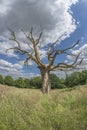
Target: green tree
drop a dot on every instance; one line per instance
(75, 78)
(56, 82)
(36, 82)
(1, 79)
(27, 83)
(8, 80)
(83, 77)
(20, 82)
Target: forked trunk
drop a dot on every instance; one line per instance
(45, 81)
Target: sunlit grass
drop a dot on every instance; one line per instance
(29, 109)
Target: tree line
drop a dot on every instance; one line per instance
(35, 82)
(74, 79)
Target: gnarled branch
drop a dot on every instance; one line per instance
(52, 55)
(34, 48)
(65, 66)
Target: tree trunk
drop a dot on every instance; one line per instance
(46, 86)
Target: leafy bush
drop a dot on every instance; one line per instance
(36, 82)
(8, 80)
(60, 86)
(77, 78)
(27, 83)
(20, 83)
(83, 77)
(1, 79)
(55, 81)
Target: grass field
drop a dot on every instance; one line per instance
(29, 109)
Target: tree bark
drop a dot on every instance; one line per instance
(46, 86)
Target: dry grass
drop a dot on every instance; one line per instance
(3, 90)
(29, 109)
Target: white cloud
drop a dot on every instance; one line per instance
(9, 67)
(83, 55)
(82, 66)
(5, 63)
(53, 17)
(83, 51)
(54, 20)
(6, 44)
(15, 70)
(4, 6)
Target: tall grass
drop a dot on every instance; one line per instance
(26, 109)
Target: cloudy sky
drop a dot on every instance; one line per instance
(53, 17)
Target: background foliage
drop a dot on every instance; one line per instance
(74, 79)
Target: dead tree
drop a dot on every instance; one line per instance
(33, 53)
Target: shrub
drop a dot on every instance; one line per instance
(60, 86)
(76, 78)
(55, 81)
(36, 82)
(1, 79)
(20, 83)
(8, 80)
(27, 83)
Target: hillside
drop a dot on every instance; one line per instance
(29, 109)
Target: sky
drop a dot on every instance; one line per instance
(54, 18)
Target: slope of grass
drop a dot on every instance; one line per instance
(26, 109)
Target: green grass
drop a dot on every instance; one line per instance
(27, 109)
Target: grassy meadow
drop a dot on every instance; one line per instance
(29, 109)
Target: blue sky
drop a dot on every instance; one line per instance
(56, 18)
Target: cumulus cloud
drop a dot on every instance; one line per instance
(53, 17)
(16, 69)
(9, 66)
(6, 44)
(83, 55)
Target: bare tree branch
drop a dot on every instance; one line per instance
(51, 48)
(33, 53)
(62, 65)
(74, 45)
(38, 40)
(52, 55)
(26, 36)
(14, 38)
(26, 61)
(34, 50)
